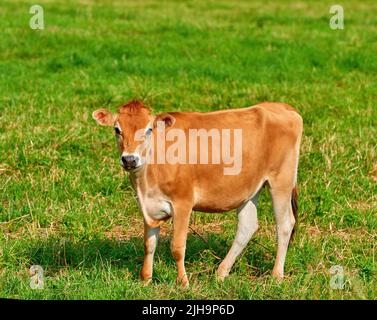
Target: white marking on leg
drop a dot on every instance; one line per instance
(151, 239)
(152, 236)
(247, 225)
(284, 226)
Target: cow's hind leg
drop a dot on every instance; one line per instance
(247, 225)
(285, 221)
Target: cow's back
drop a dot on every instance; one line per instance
(269, 134)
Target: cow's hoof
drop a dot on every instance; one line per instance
(221, 278)
(183, 282)
(146, 281)
(278, 276)
(221, 274)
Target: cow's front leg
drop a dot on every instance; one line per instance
(181, 221)
(150, 243)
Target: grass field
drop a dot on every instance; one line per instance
(65, 203)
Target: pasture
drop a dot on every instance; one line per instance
(66, 204)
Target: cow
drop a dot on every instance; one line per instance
(270, 142)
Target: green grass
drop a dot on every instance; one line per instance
(65, 203)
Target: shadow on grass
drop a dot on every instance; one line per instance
(54, 254)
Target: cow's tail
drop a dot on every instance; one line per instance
(294, 205)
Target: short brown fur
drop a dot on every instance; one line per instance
(271, 139)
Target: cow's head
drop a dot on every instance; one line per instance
(133, 127)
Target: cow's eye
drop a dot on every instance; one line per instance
(117, 131)
(149, 131)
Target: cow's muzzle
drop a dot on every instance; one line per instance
(129, 162)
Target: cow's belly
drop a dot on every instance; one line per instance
(225, 195)
(217, 204)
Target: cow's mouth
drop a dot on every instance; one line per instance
(129, 168)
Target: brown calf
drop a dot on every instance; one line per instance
(267, 146)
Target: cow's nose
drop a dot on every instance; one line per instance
(129, 162)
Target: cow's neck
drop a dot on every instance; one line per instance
(154, 209)
(143, 180)
(139, 180)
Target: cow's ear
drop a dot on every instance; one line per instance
(166, 118)
(104, 117)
